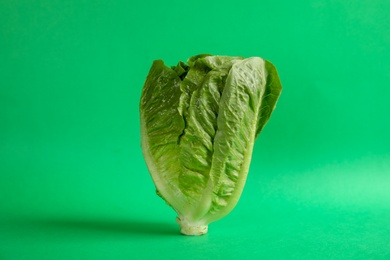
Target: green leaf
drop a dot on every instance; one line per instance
(197, 141)
(161, 126)
(273, 88)
(240, 110)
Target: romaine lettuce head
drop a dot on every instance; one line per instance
(198, 126)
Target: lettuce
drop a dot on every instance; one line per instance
(198, 126)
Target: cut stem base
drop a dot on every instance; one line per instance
(191, 229)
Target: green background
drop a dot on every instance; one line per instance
(73, 183)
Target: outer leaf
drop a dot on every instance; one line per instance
(272, 91)
(238, 118)
(161, 126)
(197, 141)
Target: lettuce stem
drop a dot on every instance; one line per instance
(190, 228)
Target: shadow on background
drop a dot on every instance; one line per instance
(116, 226)
(96, 226)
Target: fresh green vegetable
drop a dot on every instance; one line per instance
(198, 126)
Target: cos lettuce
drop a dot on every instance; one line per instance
(199, 123)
